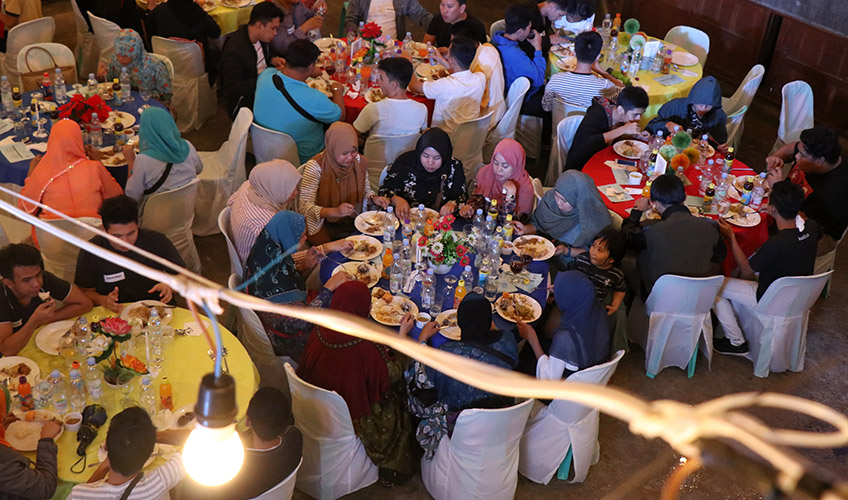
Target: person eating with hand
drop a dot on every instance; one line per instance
(109, 284)
(700, 111)
(29, 297)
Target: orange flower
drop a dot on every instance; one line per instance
(133, 364)
(680, 160)
(692, 154)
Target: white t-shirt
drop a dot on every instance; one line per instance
(574, 88)
(392, 117)
(261, 64)
(576, 28)
(488, 61)
(382, 13)
(457, 97)
(154, 485)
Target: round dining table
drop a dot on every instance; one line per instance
(186, 361)
(227, 18)
(749, 238)
(354, 106)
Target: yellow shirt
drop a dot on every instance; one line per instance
(25, 10)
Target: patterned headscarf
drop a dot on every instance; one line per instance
(145, 70)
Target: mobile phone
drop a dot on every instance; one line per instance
(626, 163)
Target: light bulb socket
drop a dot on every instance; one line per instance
(216, 401)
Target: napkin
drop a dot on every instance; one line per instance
(15, 151)
(508, 282)
(668, 80)
(193, 329)
(353, 92)
(6, 125)
(622, 175)
(41, 147)
(687, 73)
(620, 194)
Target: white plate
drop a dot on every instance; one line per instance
(47, 339)
(397, 300)
(682, 58)
(327, 43)
(448, 332)
(163, 320)
(179, 412)
(209, 6)
(619, 148)
(550, 249)
(234, 5)
(426, 72)
(537, 309)
(751, 219)
(365, 223)
(374, 95)
(739, 182)
(378, 247)
(351, 267)
(563, 50)
(10, 361)
(321, 85)
(417, 48)
(696, 143)
(429, 213)
(126, 119)
(30, 441)
(117, 159)
(567, 63)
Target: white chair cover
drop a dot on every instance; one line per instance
(564, 138)
(171, 213)
(796, 113)
(734, 127)
(60, 257)
(746, 91)
(272, 145)
(776, 330)
(692, 39)
(382, 150)
(679, 312)
(499, 25)
(529, 134)
(105, 33)
(193, 99)
(227, 230)
(467, 139)
(223, 172)
(87, 52)
(552, 429)
(334, 460)
(168, 65)
(826, 262)
(505, 128)
(36, 31)
(284, 489)
(37, 60)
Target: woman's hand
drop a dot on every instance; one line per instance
(381, 201)
(345, 210)
(428, 331)
(520, 229)
(337, 280)
(448, 208)
(466, 211)
(401, 207)
(338, 246)
(406, 325)
(93, 153)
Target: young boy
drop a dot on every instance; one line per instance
(600, 265)
(578, 87)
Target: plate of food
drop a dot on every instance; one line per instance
(743, 216)
(448, 324)
(389, 309)
(682, 58)
(364, 247)
(696, 143)
(630, 149)
(12, 368)
(24, 434)
(419, 50)
(361, 271)
(46, 106)
(48, 337)
(126, 119)
(615, 193)
(567, 63)
(235, 4)
(430, 72)
(563, 50)
(327, 43)
(535, 246)
(374, 95)
(141, 310)
(739, 183)
(429, 213)
(372, 222)
(112, 158)
(321, 85)
(207, 5)
(650, 214)
(515, 307)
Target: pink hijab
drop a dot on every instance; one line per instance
(489, 186)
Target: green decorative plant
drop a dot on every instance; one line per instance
(631, 26)
(681, 140)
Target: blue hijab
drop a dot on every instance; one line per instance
(283, 283)
(160, 137)
(582, 338)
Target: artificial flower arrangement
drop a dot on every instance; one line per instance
(110, 333)
(371, 32)
(81, 110)
(446, 247)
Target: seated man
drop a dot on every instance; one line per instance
(397, 114)
(31, 294)
(819, 168)
(516, 62)
(129, 443)
(458, 95)
(679, 244)
(284, 101)
(20, 478)
(606, 122)
(451, 11)
(791, 251)
(388, 14)
(16, 12)
(297, 21)
(108, 284)
(487, 60)
(580, 86)
(246, 54)
(700, 111)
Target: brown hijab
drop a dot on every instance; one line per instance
(340, 184)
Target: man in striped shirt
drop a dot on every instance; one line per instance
(578, 87)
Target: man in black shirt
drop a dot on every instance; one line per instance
(451, 11)
(108, 284)
(789, 252)
(29, 297)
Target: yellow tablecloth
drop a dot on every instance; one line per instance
(186, 361)
(228, 18)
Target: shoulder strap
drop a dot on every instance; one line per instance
(132, 485)
(152, 189)
(492, 351)
(278, 82)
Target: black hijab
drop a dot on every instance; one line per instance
(437, 139)
(474, 318)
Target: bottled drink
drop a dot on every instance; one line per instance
(652, 163)
(76, 391)
(635, 62)
(116, 91)
(479, 223)
(467, 276)
(407, 229)
(728, 159)
(361, 25)
(147, 401)
(613, 49)
(657, 141)
(91, 85)
(704, 146)
(166, 394)
(25, 394)
(395, 275)
(126, 89)
(427, 288)
(6, 94)
(759, 192)
(58, 393)
(646, 191)
(509, 229)
(406, 257)
(154, 332)
(490, 224)
(351, 37)
(747, 189)
(721, 189)
(60, 90)
(616, 25)
(429, 228)
(419, 220)
(493, 209)
(420, 253)
(387, 262)
(95, 133)
(606, 28)
(93, 381)
(459, 294)
(17, 98)
(389, 228)
(484, 272)
(666, 64)
(709, 194)
(657, 60)
(408, 44)
(47, 87)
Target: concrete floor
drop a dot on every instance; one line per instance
(632, 467)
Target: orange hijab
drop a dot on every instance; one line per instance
(340, 184)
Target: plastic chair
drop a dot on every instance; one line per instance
(382, 150)
(36, 31)
(60, 257)
(39, 60)
(734, 126)
(468, 139)
(480, 460)
(193, 98)
(227, 230)
(796, 113)
(271, 145)
(223, 172)
(87, 52)
(334, 460)
(284, 489)
(105, 33)
(171, 213)
(564, 431)
(383, 175)
(499, 25)
(692, 40)
(736, 105)
(505, 128)
(776, 329)
(563, 141)
(825, 263)
(679, 312)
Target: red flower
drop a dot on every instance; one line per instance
(115, 326)
(450, 218)
(422, 241)
(445, 226)
(440, 258)
(464, 261)
(460, 250)
(371, 31)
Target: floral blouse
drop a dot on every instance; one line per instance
(403, 183)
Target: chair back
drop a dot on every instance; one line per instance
(674, 294)
(796, 111)
(232, 152)
(271, 145)
(560, 110)
(183, 54)
(79, 19)
(563, 140)
(169, 65)
(60, 257)
(499, 25)
(172, 214)
(734, 126)
(505, 128)
(382, 150)
(227, 230)
(45, 57)
(468, 139)
(284, 489)
(39, 30)
(105, 33)
(571, 412)
(792, 296)
(746, 91)
(692, 40)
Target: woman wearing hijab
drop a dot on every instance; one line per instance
(145, 70)
(65, 179)
(335, 186)
(582, 338)
(438, 399)
(369, 377)
(430, 175)
(165, 161)
(282, 283)
(700, 111)
(505, 180)
(185, 19)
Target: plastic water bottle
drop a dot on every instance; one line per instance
(147, 401)
(93, 381)
(126, 88)
(396, 275)
(658, 141)
(431, 54)
(485, 268)
(389, 227)
(490, 224)
(468, 277)
(759, 192)
(427, 288)
(359, 31)
(95, 132)
(6, 94)
(479, 222)
(91, 85)
(76, 391)
(406, 257)
(606, 26)
(703, 146)
(59, 88)
(58, 393)
(408, 44)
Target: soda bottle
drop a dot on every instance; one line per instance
(25, 394)
(728, 159)
(6, 94)
(429, 228)
(493, 209)
(116, 91)
(508, 229)
(666, 64)
(459, 294)
(652, 163)
(147, 401)
(166, 394)
(17, 98)
(93, 380)
(646, 191)
(47, 87)
(747, 189)
(58, 392)
(616, 25)
(709, 194)
(59, 88)
(387, 262)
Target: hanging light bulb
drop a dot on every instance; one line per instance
(214, 453)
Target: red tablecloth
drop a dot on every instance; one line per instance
(749, 238)
(354, 106)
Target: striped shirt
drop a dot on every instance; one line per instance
(574, 88)
(309, 192)
(154, 485)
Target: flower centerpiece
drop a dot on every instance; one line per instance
(81, 110)
(371, 32)
(445, 247)
(113, 332)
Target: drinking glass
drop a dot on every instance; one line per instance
(125, 383)
(146, 94)
(20, 130)
(491, 288)
(436, 306)
(450, 284)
